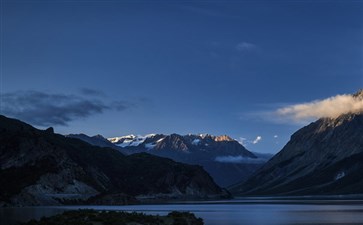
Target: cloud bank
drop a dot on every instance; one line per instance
(331, 107)
(44, 109)
(238, 159)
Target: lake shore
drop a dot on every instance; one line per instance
(257, 211)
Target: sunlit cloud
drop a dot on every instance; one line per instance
(331, 107)
(301, 114)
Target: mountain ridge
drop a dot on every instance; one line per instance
(224, 158)
(319, 159)
(39, 167)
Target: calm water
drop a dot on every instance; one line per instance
(233, 212)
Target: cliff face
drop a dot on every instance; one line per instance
(40, 167)
(322, 158)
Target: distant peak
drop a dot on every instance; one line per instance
(50, 130)
(205, 135)
(130, 140)
(99, 136)
(150, 135)
(223, 138)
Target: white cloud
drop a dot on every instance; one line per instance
(258, 139)
(331, 107)
(276, 136)
(243, 141)
(245, 46)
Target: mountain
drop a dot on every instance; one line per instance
(97, 140)
(192, 146)
(225, 159)
(39, 167)
(324, 157)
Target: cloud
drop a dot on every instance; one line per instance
(238, 159)
(90, 91)
(244, 141)
(258, 139)
(45, 109)
(331, 107)
(121, 105)
(276, 139)
(245, 46)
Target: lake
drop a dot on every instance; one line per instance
(249, 211)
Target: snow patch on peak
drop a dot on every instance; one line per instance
(204, 135)
(130, 140)
(195, 142)
(118, 139)
(150, 135)
(150, 146)
(340, 175)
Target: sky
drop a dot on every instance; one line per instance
(249, 69)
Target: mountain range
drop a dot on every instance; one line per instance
(39, 167)
(225, 159)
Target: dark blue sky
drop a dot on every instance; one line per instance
(219, 67)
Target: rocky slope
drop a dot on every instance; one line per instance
(97, 140)
(43, 168)
(225, 159)
(324, 157)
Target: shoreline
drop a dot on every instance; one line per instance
(313, 199)
(212, 212)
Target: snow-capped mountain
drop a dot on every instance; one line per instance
(130, 140)
(223, 157)
(187, 143)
